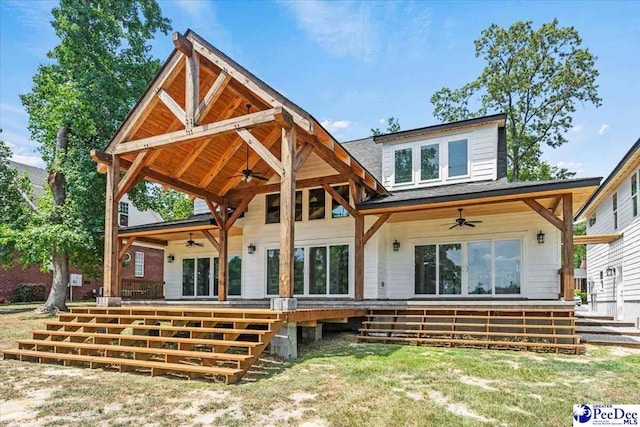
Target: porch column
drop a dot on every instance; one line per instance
(359, 258)
(223, 255)
(567, 247)
(287, 211)
(111, 274)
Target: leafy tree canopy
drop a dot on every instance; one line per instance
(393, 125)
(537, 77)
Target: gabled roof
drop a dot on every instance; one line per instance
(630, 161)
(37, 176)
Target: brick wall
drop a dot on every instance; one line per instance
(153, 270)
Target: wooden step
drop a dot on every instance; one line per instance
(225, 357)
(158, 327)
(446, 316)
(206, 311)
(473, 325)
(472, 309)
(470, 342)
(157, 368)
(169, 318)
(478, 333)
(37, 334)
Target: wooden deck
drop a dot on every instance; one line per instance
(220, 343)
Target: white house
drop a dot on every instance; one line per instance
(613, 262)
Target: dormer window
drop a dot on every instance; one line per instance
(403, 165)
(430, 162)
(458, 158)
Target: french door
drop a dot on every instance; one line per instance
(196, 277)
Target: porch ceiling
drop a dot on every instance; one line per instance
(186, 132)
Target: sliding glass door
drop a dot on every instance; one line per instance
(489, 267)
(196, 277)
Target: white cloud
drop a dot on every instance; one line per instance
(36, 17)
(577, 128)
(603, 128)
(15, 109)
(341, 28)
(572, 166)
(335, 125)
(202, 17)
(383, 121)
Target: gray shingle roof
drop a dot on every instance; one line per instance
(472, 190)
(368, 153)
(37, 176)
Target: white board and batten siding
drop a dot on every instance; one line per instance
(623, 254)
(482, 153)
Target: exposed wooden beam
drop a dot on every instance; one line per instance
(261, 151)
(359, 243)
(595, 239)
(338, 198)
(191, 90)
(268, 142)
(217, 128)
(567, 247)
(111, 276)
(126, 247)
(275, 187)
(172, 105)
(151, 175)
(212, 96)
(183, 44)
(151, 240)
(544, 212)
(219, 165)
(376, 226)
(129, 178)
(214, 212)
(140, 235)
(302, 154)
(239, 210)
(556, 206)
(223, 256)
(210, 237)
(287, 212)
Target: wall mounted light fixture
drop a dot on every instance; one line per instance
(251, 248)
(171, 258)
(540, 237)
(610, 271)
(396, 246)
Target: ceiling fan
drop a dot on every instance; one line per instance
(462, 222)
(248, 174)
(191, 243)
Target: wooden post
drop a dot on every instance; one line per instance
(568, 283)
(111, 276)
(287, 211)
(359, 258)
(223, 255)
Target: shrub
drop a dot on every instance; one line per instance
(29, 292)
(582, 295)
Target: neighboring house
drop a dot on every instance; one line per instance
(613, 263)
(376, 218)
(144, 261)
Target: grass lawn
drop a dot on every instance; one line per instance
(334, 382)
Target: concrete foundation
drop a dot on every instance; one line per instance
(108, 302)
(284, 304)
(285, 343)
(312, 333)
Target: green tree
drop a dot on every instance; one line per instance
(579, 251)
(92, 79)
(537, 77)
(170, 204)
(393, 125)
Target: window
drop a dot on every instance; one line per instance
(601, 279)
(458, 158)
(272, 215)
(123, 213)
(634, 194)
(203, 282)
(615, 211)
(450, 268)
(339, 270)
(403, 166)
(273, 271)
(139, 267)
(480, 267)
(337, 210)
(188, 276)
(430, 162)
(592, 221)
(425, 269)
(318, 270)
(316, 203)
(507, 266)
(234, 276)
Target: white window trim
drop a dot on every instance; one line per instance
(136, 264)
(446, 165)
(212, 258)
(419, 173)
(614, 206)
(328, 202)
(413, 166)
(635, 177)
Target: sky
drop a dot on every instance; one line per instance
(351, 64)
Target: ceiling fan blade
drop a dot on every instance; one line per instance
(199, 244)
(453, 226)
(468, 224)
(474, 222)
(260, 177)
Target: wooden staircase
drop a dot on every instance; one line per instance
(210, 343)
(521, 328)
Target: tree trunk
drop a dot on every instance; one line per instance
(58, 184)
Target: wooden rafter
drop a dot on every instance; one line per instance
(211, 238)
(338, 198)
(182, 44)
(545, 213)
(595, 239)
(376, 226)
(224, 158)
(556, 206)
(126, 247)
(191, 90)
(278, 115)
(275, 187)
(268, 142)
(302, 154)
(262, 151)
(212, 96)
(239, 210)
(129, 178)
(214, 212)
(172, 105)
